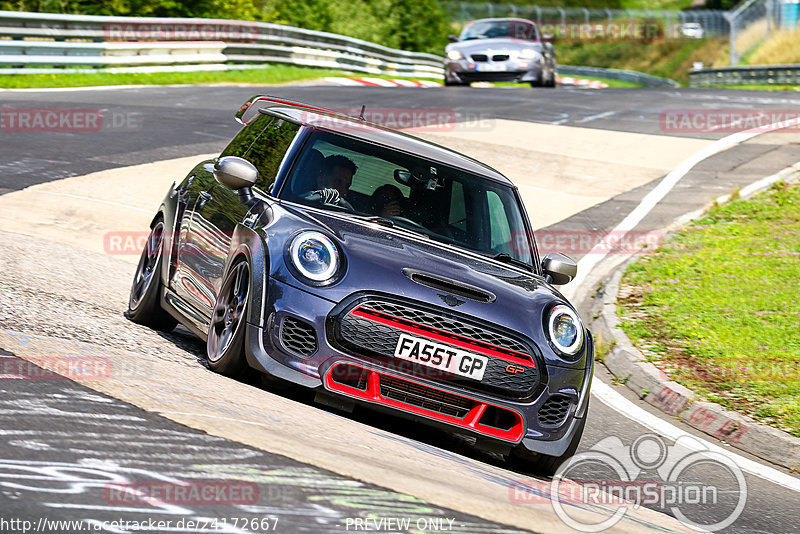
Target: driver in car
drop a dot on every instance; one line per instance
(334, 180)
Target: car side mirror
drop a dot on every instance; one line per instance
(559, 269)
(452, 38)
(237, 174)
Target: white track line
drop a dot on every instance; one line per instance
(603, 391)
(600, 251)
(620, 404)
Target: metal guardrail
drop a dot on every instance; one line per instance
(633, 76)
(48, 53)
(242, 41)
(749, 75)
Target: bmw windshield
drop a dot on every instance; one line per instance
(345, 175)
(500, 29)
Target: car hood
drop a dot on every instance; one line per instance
(377, 256)
(499, 45)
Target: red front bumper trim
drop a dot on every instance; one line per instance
(470, 421)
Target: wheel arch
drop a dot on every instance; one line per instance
(248, 244)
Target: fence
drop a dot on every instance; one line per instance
(753, 21)
(713, 22)
(83, 40)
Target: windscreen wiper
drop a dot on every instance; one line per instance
(507, 258)
(377, 219)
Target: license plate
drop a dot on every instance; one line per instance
(442, 357)
(490, 67)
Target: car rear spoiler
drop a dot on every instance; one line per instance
(271, 99)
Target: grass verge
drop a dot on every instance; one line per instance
(717, 308)
(272, 74)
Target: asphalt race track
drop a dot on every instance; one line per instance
(166, 418)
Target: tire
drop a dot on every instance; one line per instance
(226, 331)
(453, 84)
(144, 303)
(543, 464)
(551, 81)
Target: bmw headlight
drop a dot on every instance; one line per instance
(565, 329)
(454, 55)
(314, 256)
(529, 53)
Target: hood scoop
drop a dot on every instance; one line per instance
(448, 285)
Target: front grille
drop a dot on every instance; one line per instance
(424, 397)
(448, 324)
(480, 57)
(298, 337)
(469, 76)
(500, 57)
(555, 410)
(361, 332)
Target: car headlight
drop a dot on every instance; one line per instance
(565, 329)
(314, 256)
(454, 55)
(529, 53)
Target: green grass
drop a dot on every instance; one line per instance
(272, 74)
(718, 306)
(667, 58)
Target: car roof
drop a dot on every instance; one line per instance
(380, 135)
(501, 19)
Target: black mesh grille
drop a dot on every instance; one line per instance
(554, 411)
(447, 324)
(424, 397)
(480, 57)
(500, 57)
(298, 337)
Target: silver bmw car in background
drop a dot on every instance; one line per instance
(500, 50)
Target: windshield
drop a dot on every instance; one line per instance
(345, 175)
(494, 29)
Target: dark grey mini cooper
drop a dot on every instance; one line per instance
(378, 269)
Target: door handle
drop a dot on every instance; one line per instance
(205, 196)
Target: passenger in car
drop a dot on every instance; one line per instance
(387, 201)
